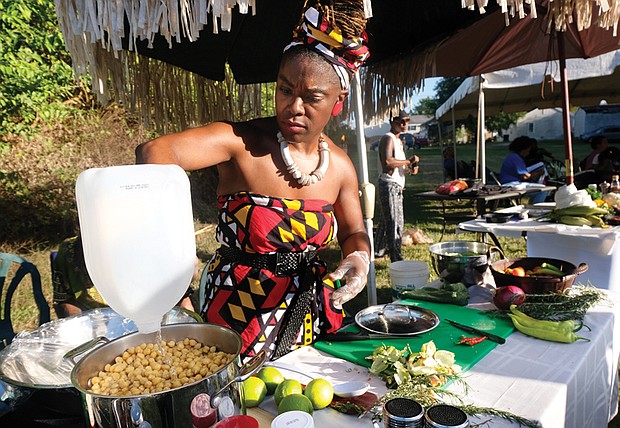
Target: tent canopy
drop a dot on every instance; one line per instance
(528, 87)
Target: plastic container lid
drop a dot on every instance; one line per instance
(293, 419)
(238, 421)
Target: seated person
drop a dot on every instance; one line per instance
(74, 291)
(609, 164)
(463, 170)
(537, 154)
(599, 144)
(514, 168)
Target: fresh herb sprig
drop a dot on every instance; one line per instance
(572, 305)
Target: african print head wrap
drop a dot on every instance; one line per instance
(345, 54)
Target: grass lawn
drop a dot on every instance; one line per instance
(425, 215)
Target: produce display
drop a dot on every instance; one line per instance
(555, 331)
(544, 270)
(288, 394)
(451, 187)
(150, 368)
(455, 294)
(578, 215)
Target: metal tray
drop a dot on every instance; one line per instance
(396, 319)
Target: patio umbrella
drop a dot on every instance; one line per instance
(532, 86)
(498, 42)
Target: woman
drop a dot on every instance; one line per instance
(514, 168)
(272, 205)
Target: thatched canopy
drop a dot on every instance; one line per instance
(166, 59)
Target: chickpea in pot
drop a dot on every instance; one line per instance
(149, 368)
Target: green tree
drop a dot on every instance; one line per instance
(426, 106)
(35, 68)
(446, 87)
(501, 121)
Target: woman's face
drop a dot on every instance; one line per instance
(305, 97)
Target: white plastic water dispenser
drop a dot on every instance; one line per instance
(138, 235)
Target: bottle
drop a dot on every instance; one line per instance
(137, 230)
(614, 187)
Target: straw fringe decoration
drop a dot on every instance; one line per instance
(167, 98)
(393, 82)
(175, 99)
(561, 12)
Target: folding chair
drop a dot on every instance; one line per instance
(7, 332)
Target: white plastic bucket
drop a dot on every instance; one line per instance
(408, 275)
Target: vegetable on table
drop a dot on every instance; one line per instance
(471, 341)
(557, 306)
(455, 294)
(508, 295)
(555, 331)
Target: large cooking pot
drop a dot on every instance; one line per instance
(169, 408)
(463, 261)
(33, 367)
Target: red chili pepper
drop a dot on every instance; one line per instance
(471, 341)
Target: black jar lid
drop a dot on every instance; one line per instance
(446, 416)
(403, 410)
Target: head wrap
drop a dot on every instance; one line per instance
(345, 54)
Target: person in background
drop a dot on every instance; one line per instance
(283, 186)
(537, 154)
(73, 290)
(514, 168)
(599, 144)
(394, 166)
(609, 163)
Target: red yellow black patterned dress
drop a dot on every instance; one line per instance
(253, 301)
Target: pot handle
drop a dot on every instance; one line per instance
(84, 347)
(581, 269)
(246, 370)
(497, 250)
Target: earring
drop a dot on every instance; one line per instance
(337, 108)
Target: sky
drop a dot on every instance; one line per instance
(427, 92)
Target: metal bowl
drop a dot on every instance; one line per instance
(533, 284)
(462, 261)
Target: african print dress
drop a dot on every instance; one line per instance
(254, 301)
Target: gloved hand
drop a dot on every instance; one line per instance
(354, 268)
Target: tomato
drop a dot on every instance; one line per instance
(518, 271)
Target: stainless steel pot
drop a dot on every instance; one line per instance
(32, 367)
(168, 408)
(463, 261)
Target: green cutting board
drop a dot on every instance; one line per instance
(444, 335)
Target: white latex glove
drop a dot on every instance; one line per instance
(354, 268)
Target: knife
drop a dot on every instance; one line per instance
(493, 337)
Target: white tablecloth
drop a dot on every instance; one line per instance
(598, 248)
(560, 385)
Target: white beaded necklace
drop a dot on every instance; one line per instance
(292, 167)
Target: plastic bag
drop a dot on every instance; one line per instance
(415, 236)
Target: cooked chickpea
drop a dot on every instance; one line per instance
(149, 368)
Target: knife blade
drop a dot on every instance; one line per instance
(493, 337)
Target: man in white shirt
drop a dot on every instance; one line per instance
(394, 166)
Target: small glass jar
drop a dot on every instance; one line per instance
(403, 413)
(614, 187)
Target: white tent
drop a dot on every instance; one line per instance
(532, 86)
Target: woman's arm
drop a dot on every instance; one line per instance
(191, 149)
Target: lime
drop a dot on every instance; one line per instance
(320, 392)
(287, 387)
(272, 378)
(254, 390)
(295, 402)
